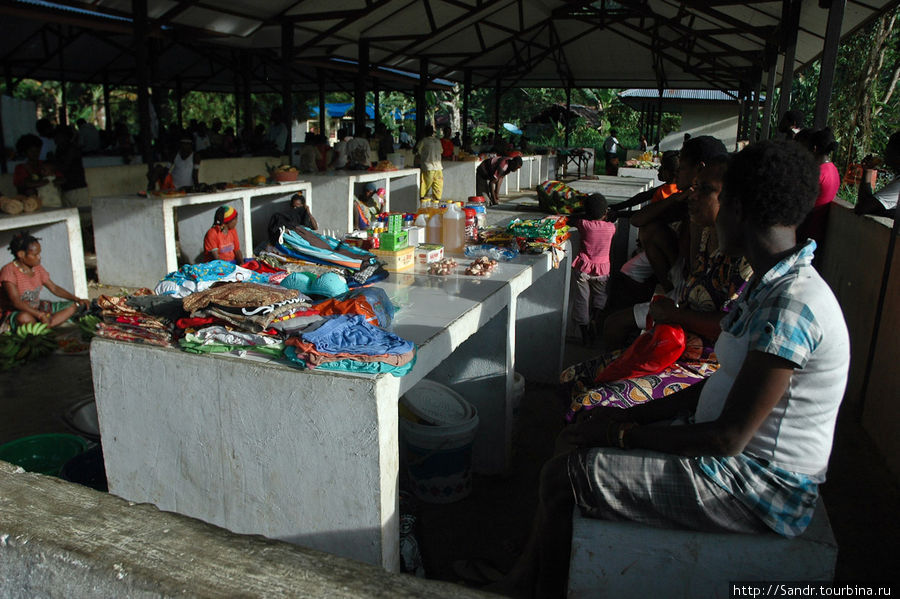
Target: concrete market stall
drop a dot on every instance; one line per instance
(640, 173)
(311, 457)
(335, 191)
(59, 232)
(136, 238)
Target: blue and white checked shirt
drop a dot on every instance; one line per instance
(779, 324)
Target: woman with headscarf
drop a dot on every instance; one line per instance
(222, 241)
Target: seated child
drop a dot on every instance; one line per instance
(222, 241)
(22, 280)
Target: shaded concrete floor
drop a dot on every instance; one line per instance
(861, 495)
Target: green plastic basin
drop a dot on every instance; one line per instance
(44, 454)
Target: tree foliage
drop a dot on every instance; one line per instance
(865, 108)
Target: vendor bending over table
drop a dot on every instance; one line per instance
(759, 430)
(22, 280)
(489, 175)
(222, 241)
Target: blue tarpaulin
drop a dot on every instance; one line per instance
(338, 110)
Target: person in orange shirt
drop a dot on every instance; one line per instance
(222, 241)
(447, 144)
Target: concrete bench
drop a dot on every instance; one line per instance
(626, 559)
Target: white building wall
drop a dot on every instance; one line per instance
(705, 119)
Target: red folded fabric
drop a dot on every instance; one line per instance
(257, 266)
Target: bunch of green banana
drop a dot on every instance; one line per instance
(88, 325)
(31, 340)
(33, 328)
(9, 347)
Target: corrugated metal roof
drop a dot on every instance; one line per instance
(705, 95)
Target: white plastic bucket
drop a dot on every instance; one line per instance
(438, 458)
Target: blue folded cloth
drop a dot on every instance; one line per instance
(351, 334)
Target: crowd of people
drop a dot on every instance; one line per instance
(729, 241)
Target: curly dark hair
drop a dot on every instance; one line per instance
(776, 183)
(29, 140)
(20, 242)
(702, 149)
(595, 206)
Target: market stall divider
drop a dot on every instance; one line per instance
(59, 232)
(336, 191)
(136, 238)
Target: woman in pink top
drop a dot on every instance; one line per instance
(20, 287)
(592, 263)
(821, 143)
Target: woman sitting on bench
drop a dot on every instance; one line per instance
(759, 431)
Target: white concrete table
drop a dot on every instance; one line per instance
(312, 457)
(612, 186)
(640, 173)
(59, 231)
(336, 190)
(135, 237)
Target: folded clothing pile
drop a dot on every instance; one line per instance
(303, 244)
(250, 307)
(351, 344)
(192, 278)
(217, 339)
(124, 322)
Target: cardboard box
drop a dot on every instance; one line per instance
(426, 253)
(415, 235)
(397, 261)
(393, 241)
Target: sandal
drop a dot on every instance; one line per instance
(478, 571)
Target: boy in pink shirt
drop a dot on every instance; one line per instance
(591, 265)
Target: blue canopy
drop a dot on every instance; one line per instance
(338, 110)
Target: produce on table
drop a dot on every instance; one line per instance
(442, 267)
(11, 205)
(383, 166)
(481, 267)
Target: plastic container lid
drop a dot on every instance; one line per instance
(437, 404)
(476, 199)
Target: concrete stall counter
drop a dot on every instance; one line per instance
(135, 237)
(640, 173)
(613, 186)
(312, 457)
(62, 254)
(335, 191)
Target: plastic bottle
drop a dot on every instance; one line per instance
(454, 229)
(434, 228)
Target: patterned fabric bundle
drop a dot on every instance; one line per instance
(122, 322)
(556, 197)
(238, 295)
